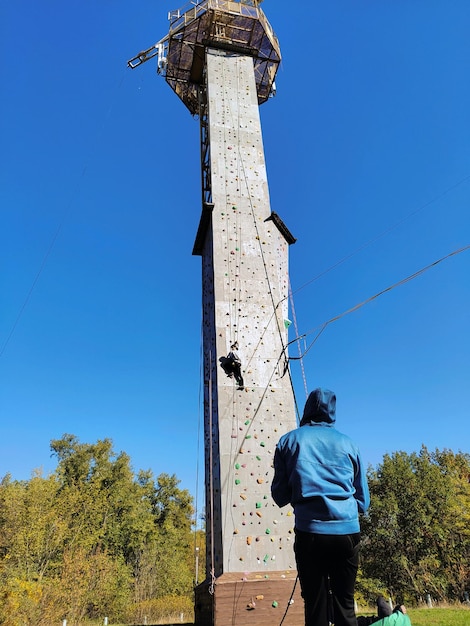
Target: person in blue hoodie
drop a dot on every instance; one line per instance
(318, 470)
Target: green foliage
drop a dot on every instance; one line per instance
(163, 610)
(95, 539)
(417, 534)
(92, 539)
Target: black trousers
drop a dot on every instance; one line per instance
(327, 567)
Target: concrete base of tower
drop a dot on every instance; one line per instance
(249, 599)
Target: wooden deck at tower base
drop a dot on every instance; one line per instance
(249, 599)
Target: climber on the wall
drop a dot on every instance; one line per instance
(232, 365)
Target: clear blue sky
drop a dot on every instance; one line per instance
(367, 142)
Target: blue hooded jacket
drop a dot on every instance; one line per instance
(318, 470)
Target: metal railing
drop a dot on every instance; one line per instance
(194, 9)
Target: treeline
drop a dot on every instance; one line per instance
(93, 539)
(416, 538)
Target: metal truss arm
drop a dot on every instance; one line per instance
(158, 49)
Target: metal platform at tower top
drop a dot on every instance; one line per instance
(238, 27)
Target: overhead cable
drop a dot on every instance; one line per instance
(384, 232)
(323, 326)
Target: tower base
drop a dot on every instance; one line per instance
(249, 599)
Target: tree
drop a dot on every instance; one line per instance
(163, 567)
(91, 537)
(416, 537)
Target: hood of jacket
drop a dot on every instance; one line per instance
(320, 407)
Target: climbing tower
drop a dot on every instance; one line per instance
(221, 57)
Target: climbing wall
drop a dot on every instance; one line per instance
(245, 289)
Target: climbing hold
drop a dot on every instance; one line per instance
(262, 444)
(237, 465)
(248, 541)
(258, 505)
(243, 496)
(259, 514)
(267, 531)
(260, 481)
(275, 604)
(237, 481)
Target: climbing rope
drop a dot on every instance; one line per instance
(294, 317)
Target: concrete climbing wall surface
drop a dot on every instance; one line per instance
(245, 289)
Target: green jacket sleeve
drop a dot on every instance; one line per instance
(395, 619)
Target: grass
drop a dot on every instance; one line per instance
(440, 617)
(448, 616)
(451, 616)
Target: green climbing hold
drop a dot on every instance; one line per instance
(237, 481)
(275, 604)
(237, 465)
(268, 532)
(258, 505)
